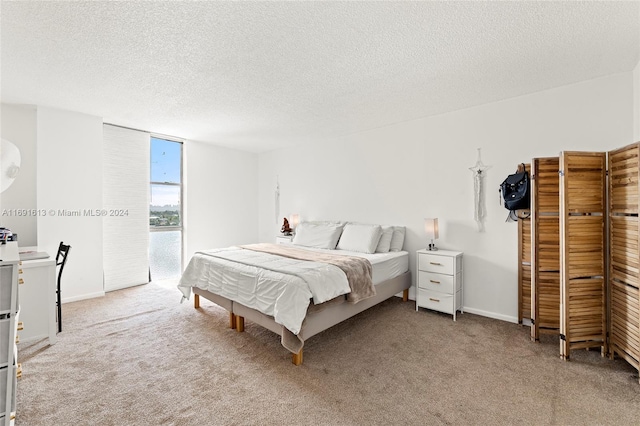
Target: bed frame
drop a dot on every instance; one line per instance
(315, 322)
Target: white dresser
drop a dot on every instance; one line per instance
(38, 299)
(439, 281)
(9, 315)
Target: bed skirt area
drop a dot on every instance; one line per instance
(315, 322)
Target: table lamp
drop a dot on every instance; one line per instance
(431, 228)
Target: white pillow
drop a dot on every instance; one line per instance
(385, 240)
(397, 241)
(359, 237)
(321, 235)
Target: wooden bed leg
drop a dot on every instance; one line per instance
(196, 301)
(405, 295)
(232, 320)
(239, 324)
(297, 358)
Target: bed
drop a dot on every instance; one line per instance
(300, 290)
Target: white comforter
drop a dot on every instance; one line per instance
(274, 285)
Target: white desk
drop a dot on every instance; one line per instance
(38, 298)
(10, 368)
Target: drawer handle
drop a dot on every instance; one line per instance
(20, 281)
(434, 281)
(436, 263)
(19, 371)
(20, 325)
(434, 300)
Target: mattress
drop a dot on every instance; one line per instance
(384, 265)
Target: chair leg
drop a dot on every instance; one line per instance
(59, 303)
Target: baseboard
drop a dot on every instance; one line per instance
(493, 315)
(123, 286)
(33, 339)
(83, 297)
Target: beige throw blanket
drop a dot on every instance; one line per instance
(357, 269)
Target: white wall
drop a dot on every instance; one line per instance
(69, 178)
(221, 197)
(403, 173)
(19, 127)
(221, 185)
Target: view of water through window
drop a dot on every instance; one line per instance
(165, 210)
(165, 249)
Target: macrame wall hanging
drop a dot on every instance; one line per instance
(480, 210)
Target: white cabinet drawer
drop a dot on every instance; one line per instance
(437, 282)
(435, 300)
(5, 330)
(435, 263)
(3, 388)
(6, 288)
(443, 302)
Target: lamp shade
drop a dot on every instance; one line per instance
(294, 220)
(431, 228)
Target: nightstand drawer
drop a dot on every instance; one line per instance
(434, 263)
(284, 239)
(435, 300)
(437, 282)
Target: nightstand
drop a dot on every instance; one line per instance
(439, 281)
(284, 239)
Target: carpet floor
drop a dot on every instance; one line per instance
(140, 357)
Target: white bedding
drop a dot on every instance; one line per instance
(384, 265)
(278, 286)
(274, 285)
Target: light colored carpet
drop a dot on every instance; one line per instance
(139, 357)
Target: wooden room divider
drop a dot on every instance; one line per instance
(545, 247)
(524, 269)
(582, 251)
(624, 254)
(584, 285)
(524, 260)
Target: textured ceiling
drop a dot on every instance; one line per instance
(263, 75)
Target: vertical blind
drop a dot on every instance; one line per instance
(126, 201)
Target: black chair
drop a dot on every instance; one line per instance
(61, 259)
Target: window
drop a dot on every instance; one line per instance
(165, 209)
